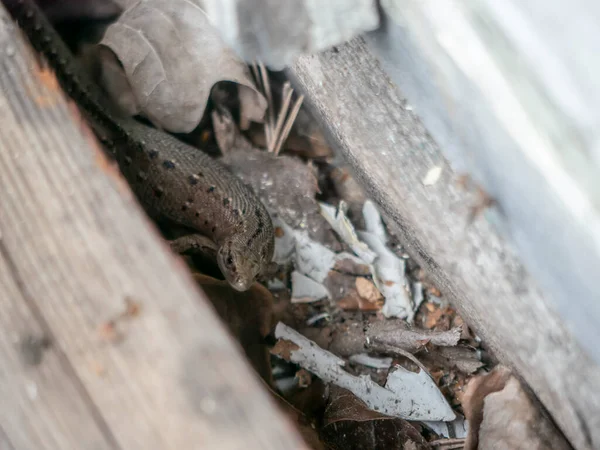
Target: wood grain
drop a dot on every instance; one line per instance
(512, 103)
(75, 251)
(276, 32)
(391, 152)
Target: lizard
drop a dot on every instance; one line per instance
(172, 180)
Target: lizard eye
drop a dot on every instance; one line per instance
(230, 264)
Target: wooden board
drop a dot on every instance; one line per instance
(276, 32)
(513, 102)
(391, 152)
(75, 251)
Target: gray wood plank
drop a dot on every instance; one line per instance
(5, 444)
(513, 101)
(43, 406)
(80, 248)
(367, 121)
(276, 32)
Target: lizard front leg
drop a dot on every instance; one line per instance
(195, 244)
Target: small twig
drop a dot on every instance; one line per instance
(270, 104)
(448, 444)
(262, 82)
(277, 129)
(254, 69)
(288, 124)
(285, 106)
(259, 80)
(257, 77)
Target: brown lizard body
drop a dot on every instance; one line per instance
(172, 180)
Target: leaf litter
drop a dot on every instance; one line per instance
(361, 335)
(172, 88)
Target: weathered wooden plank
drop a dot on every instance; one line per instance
(276, 32)
(391, 152)
(79, 250)
(37, 383)
(514, 103)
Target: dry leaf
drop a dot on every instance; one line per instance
(502, 416)
(303, 423)
(349, 424)
(438, 317)
(354, 302)
(320, 336)
(367, 290)
(172, 56)
(227, 134)
(352, 267)
(344, 292)
(284, 349)
(248, 315)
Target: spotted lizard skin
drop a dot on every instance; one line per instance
(172, 180)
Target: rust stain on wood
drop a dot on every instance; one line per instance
(51, 92)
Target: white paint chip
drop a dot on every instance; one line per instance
(306, 290)
(344, 228)
(408, 395)
(432, 176)
(389, 270)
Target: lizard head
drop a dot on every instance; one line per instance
(240, 266)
